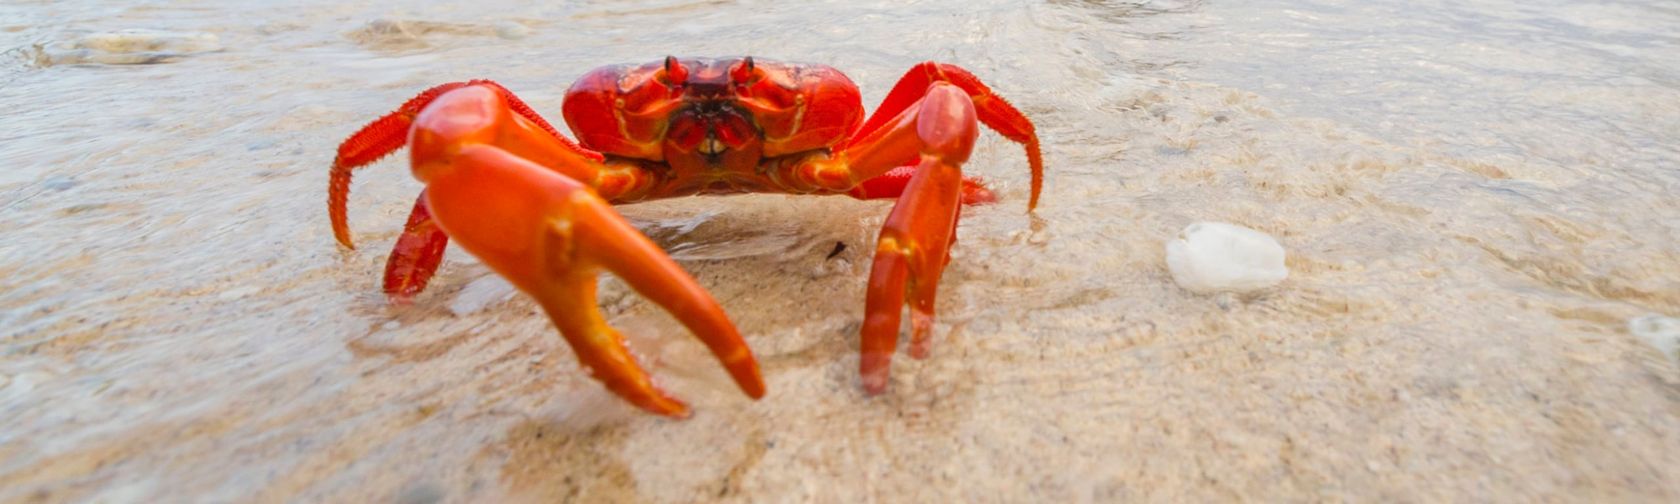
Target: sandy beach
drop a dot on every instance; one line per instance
(1476, 200)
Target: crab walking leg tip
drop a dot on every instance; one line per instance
(883, 306)
(976, 194)
(416, 255)
(341, 233)
(874, 370)
(921, 332)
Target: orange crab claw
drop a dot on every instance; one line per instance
(387, 134)
(550, 235)
(915, 242)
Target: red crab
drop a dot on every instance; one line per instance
(536, 207)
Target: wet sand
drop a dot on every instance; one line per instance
(1475, 201)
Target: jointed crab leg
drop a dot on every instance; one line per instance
(910, 256)
(420, 249)
(509, 192)
(995, 112)
(416, 256)
(893, 183)
(389, 133)
(930, 119)
(915, 242)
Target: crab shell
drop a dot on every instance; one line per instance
(712, 113)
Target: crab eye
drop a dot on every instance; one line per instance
(675, 73)
(743, 72)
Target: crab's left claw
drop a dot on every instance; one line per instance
(420, 249)
(550, 235)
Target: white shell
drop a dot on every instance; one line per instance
(1661, 332)
(1210, 257)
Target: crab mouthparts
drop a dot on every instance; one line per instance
(711, 146)
(711, 130)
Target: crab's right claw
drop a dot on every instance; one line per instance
(550, 236)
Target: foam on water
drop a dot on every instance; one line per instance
(130, 47)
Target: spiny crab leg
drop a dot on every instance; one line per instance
(508, 192)
(420, 249)
(995, 112)
(390, 132)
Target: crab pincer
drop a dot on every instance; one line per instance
(551, 235)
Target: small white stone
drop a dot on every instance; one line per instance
(1209, 257)
(23, 383)
(1661, 332)
(512, 31)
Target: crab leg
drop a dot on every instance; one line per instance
(390, 132)
(510, 193)
(930, 121)
(937, 130)
(420, 249)
(995, 112)
(416, 256)
(893, 183)
(915, 242)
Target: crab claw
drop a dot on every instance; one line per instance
(550, 235)
(910, 255)
(915, 242)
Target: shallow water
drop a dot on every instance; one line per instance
(1476, 201)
